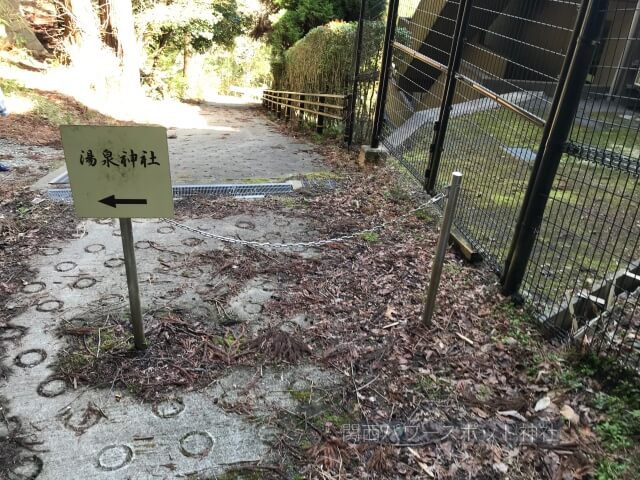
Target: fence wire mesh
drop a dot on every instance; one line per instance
(583, 277)
(367, 56)
(509, 50)
(587, 255)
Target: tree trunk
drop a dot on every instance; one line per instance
(119, 33)
(186, 57)
(87, 25)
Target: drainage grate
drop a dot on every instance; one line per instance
(226, 190)
(322, 184)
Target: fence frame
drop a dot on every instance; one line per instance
(550, 153)
(302, 103)
(526, 227)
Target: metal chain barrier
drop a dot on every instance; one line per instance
(316, 243)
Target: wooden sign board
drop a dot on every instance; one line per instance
(118, 172)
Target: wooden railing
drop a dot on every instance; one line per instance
(319, 108)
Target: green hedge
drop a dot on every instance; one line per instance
(322, 61)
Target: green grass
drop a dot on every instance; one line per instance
(398, 194)
(42, 106)
(54, 111)
(94, 344)
(520, 323)
(241, 474)
(302, 396)
(585, 196)
(431, 387)
(334, 418)
(617, 405)
(613, 470)
(370, 237)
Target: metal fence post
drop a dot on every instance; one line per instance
(320, 119)
(356, 66)
(455, 57)
(385, 71)
(590, 34)
(535, 168)
(287, 109)
(441, 248)
(348, 119)
(301, 111)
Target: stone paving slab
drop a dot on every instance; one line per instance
(236, 145)
(108, 434)
(232, 144)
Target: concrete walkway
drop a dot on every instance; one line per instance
(84, 433)
(238, 143)
(107, 433)
(229, 141)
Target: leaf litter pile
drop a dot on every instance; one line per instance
(476, 395)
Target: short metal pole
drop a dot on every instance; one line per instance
(441, 248)
(126, 233)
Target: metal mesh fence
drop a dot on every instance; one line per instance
(508, 73)
(512, 49)
(367, 67)
(477, 86)
(584, 271)
(413, 100)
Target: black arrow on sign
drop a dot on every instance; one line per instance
(112, 201)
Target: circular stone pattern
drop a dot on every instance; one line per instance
(28, 468)
(52, 387)
(272, 237)
(281, 222)
(49, 251)
(114, 457)
(84, 282)
(33, 287)
(166, 229)
(192, 241)
(111, 299)
(11, 333)
(94, 248)
(245, 225)
(49, 306)
(196, 444)
(143, 244)
(194, 272)
(82, 420)
(116, 233)
(9, 426)
(30, 358)
(169, 408)
(114, 262)
(65, 266)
